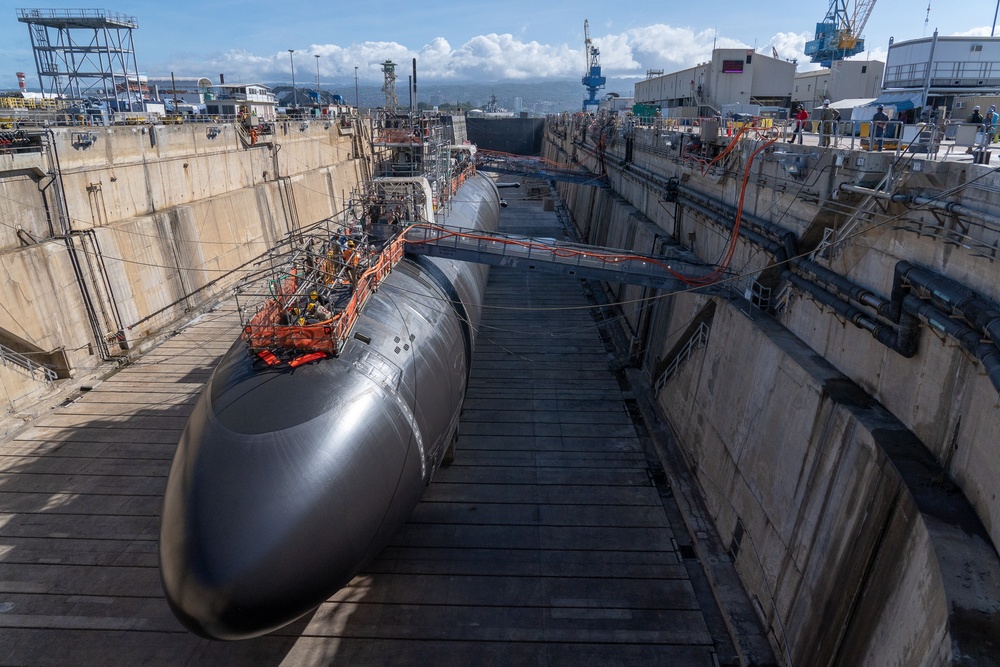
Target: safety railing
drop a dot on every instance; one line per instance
(697, 340)
(37, 371)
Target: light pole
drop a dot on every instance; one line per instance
(357, 100)
(317, 78)
(295, 95)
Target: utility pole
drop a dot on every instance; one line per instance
(357, 100)
(295, 94)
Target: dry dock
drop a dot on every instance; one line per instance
(548, 541)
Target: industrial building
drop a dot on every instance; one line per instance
(186, 90)
(951, 72)
(846, 79)
(731, 77)
(227, 99)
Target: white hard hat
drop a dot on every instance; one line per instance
(826, 101)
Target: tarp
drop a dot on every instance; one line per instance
(901, 101)
(850, 103)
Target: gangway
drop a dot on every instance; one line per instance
(536, 167)
(677, 270)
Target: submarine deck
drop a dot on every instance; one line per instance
(547, 541)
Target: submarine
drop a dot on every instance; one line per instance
(297, 466)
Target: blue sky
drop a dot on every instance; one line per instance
(499, 40)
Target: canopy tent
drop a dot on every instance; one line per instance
(901, 101)
(850, 103)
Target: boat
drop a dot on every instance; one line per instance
(322, 425)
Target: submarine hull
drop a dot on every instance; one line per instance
(286, 482)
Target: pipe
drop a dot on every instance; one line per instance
(969, 339)
(902, 308)
(790, 253)
(950, 295)
(920, 200)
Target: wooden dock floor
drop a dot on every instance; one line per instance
(544, 543)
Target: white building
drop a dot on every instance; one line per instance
(187, 90)
(940, 71)
(846, 79)
(616, 104)
(231, 99)
(732, 76)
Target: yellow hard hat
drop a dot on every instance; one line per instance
(311, 306)
(301, 321)
(313, 295)
(350, 244)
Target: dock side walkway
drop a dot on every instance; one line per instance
(545, 542)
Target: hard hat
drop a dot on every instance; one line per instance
(295, 311)
(313, 295)
(826, 101)
(881, 106)
(350, 244)
(301, 321)
(975, 108)
(311, 306)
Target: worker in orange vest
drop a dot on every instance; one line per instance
(351, 261)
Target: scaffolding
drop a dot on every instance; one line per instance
(84, 53)
(389, 87)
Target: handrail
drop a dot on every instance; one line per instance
(21, 361)
(698, 339)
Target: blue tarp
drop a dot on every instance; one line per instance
(901, 101)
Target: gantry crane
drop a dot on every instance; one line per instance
(592, 80)
(839, 35)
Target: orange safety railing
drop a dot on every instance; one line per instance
(265, 331)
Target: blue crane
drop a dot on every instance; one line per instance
(592, 80)
(839, 35)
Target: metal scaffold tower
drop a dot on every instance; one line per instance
(81, 53)
(389, 88)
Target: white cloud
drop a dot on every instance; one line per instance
(494, 57)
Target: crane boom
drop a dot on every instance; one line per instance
(838, 36)
(592, 79)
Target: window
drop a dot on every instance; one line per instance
(864, 69)
(976, 47)
(749, 57)
(732, 66)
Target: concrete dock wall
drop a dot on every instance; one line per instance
(162, 221)
(816, 448)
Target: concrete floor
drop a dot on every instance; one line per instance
(546, 542)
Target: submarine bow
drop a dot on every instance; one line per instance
(287, 481)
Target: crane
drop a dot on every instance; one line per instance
(839, 35)
(592, 79)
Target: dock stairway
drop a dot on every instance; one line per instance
(20, 362)
(670, 271)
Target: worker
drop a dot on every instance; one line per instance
(990, 121)
(351, 261)
(314, 297)
(976, 117)
(829, 116)
(316, 312)
(801, 118)
(879, 120)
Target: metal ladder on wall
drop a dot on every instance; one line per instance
(697, 340)
(834, 237)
